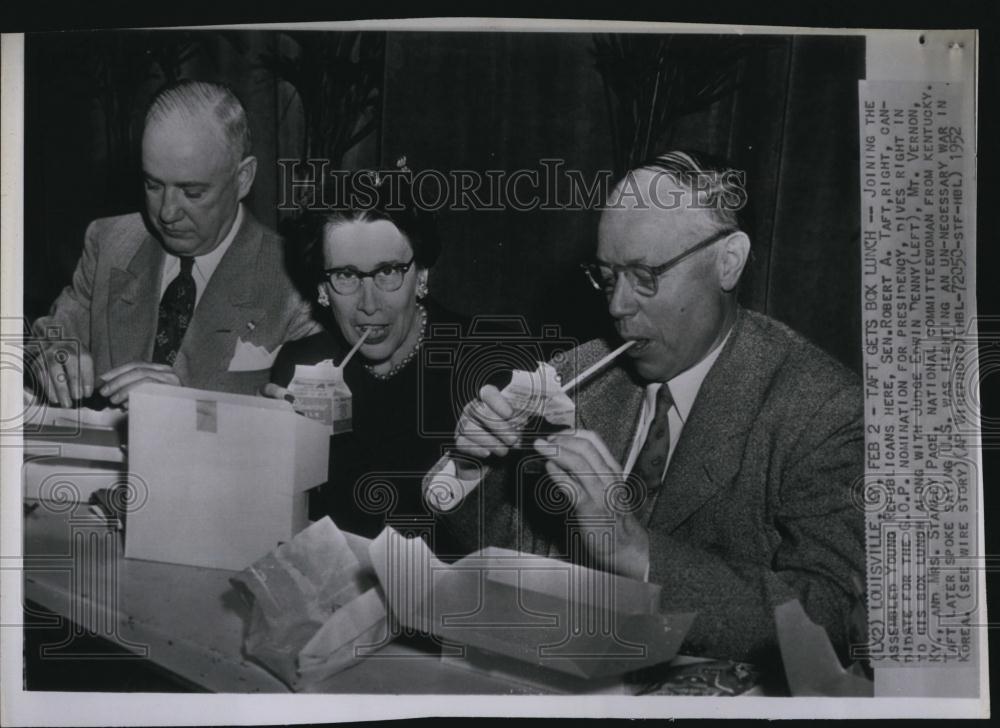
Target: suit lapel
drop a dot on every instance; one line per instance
(134, 299)
(609, 404)
(611, 407)
(228, 308)
(711, 446)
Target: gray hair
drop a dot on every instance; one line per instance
(717, 188)
(198, 97)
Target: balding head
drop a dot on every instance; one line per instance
(208, 103)
(196, 165)
(666, 214)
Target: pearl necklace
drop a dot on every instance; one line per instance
(409, 357)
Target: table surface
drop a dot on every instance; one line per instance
(191, 621)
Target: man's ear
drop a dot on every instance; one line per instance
(732, 259)
(245, 174)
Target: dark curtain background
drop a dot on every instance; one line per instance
(478, 101)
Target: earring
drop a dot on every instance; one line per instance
(322, 298)
(422, 289)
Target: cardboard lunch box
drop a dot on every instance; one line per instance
(221, 478)
(534, 610)
(327, 600)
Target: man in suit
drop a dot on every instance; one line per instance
(193, 292)
(720, 452)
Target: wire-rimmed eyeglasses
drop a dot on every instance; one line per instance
(347, 280)
(643, 279)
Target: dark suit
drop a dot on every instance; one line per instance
(112, 304)
(756, 507)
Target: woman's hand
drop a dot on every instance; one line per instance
(273, 391)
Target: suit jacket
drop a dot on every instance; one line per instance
(756, 507)
(112, 305)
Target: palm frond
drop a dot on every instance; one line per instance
(338, 78)
(653, 81)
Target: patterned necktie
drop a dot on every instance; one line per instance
(649, 466)
(176, 308)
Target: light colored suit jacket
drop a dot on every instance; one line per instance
(757, 503)
(112, 306)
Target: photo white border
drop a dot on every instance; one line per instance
(894, 55)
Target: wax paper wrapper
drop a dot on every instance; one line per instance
(539, 394)
(313, 600)
(322, 394)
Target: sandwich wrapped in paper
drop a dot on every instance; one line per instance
(313, 600)
(539, 394)
(534, 397)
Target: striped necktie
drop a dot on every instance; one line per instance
(651, 462)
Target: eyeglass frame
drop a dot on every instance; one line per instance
(655, 272)
(361, 275)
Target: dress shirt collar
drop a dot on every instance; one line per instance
(684, 387)
(204, 265)
(207, 263)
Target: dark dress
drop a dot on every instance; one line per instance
(401, 427)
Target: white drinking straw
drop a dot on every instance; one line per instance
(355, 348)
(587, 373)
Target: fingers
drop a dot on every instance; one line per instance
(133, 365)
(496, 402)
(475, 440)
(56, 383)
(122, 380)
(586, 495)
(74, 385)
(582, 452)
(54, 371)
(607, 460)
(80, 378)
(274, 391)
(585, 459)
(488, 425)
(86, 374)
(120, 395)
(628, 552)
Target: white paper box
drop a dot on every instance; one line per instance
(225, 475)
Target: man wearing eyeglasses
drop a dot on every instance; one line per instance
(719, 453)
(192, 293)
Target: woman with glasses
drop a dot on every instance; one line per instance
(367, 267)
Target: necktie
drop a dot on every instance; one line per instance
(176, 308)
(649, 465)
